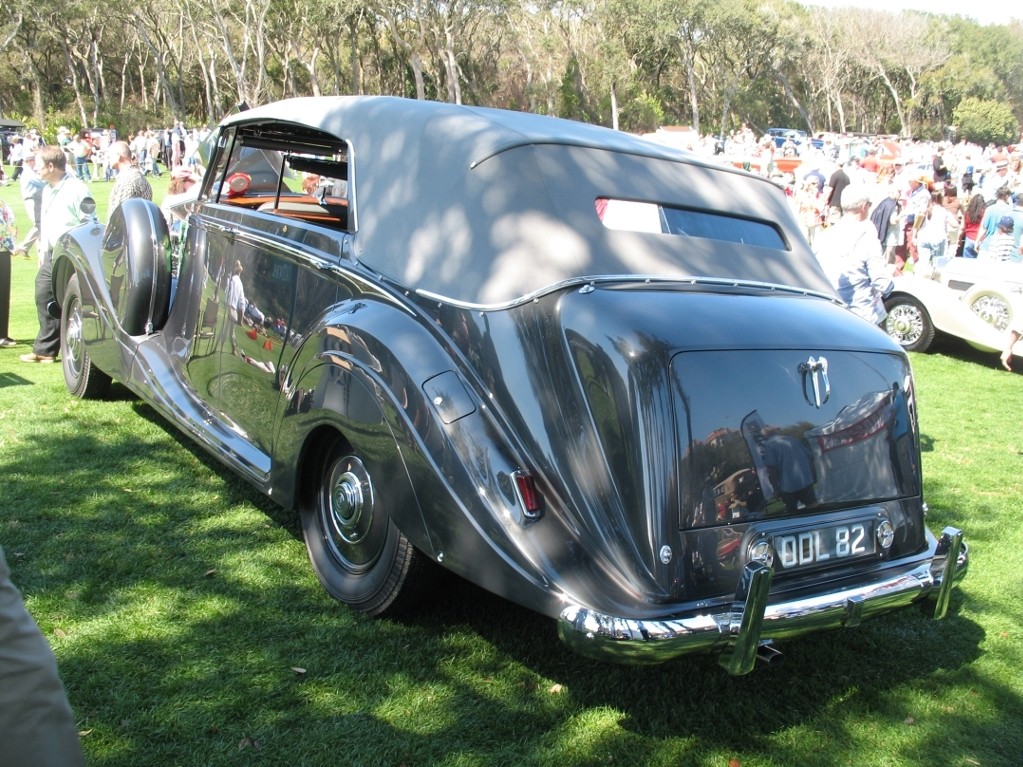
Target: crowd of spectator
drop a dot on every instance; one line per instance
(929, 200)
(926, 202)
(93, 155)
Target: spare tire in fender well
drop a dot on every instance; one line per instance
(136, 259)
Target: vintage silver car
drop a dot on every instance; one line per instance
(601, 378)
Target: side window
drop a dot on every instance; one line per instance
(216, 172)
(252, 176)
(287, 171)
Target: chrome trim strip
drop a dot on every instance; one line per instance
(625, 640)
(613, 279)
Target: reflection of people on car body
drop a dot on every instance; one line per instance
(235, 297)
(789, 459)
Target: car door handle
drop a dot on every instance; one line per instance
(227, 231)
(326, 266)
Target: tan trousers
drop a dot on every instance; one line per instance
(37, 727)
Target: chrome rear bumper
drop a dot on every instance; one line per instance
(738, 632)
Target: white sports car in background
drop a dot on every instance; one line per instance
(972, 299)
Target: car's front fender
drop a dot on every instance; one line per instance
(78, 250)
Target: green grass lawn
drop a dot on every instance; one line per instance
(190, 629)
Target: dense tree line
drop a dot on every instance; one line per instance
(631, 64)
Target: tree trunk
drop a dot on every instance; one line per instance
(417, 74)
(35, 82)
(899, 110)
(310, 65)
(791, 96)
(614, 106)
(73, 74)
(687, 55)
(99, 86)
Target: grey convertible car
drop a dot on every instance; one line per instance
(601, 378)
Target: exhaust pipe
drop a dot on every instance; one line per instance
(770, 655)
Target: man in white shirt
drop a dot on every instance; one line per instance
(995, 178)
(16, 156)
(32, 197)
(61, 211)
(850, 253)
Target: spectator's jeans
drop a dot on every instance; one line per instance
(932, 256)
(47, 343)
(969, 248)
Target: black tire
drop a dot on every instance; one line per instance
(909, 323)
(81, 377)
(359, 556)
(992, 306)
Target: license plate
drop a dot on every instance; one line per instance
(824, 545)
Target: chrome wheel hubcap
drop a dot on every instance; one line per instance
(351, 528)
(73, 340)
(994, 311)
(904, 324)
(346, 506)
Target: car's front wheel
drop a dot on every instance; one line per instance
(82, 378)
(909, 323)
(358, 554)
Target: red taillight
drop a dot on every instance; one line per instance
(529, 496)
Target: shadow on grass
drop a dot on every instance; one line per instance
(957, 348)
(190, 629)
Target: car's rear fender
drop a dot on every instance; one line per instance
(442, 464)
(347, 377)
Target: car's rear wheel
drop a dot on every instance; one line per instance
(358, 554)
(991, 306)
(909, 323)
(82, 378)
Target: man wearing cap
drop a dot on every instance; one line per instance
(1003, 245)
(31, 142)
(130, 181)
(184, 186)
(989, 224)
(850, 254)
(815, 175)
(914, 207)
(995, 179)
